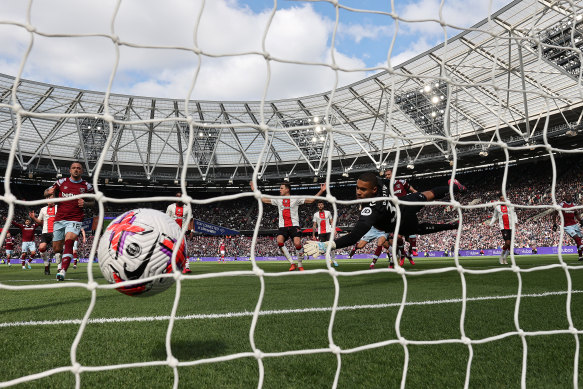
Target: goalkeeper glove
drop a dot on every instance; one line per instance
(316, 248)
(555, 227)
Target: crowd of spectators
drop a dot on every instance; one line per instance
(528, 187)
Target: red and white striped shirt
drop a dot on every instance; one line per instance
(288, 211)
(323, 220)
(507, 218)
(47, 215)
(178, 212)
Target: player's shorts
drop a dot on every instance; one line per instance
(28, 247)
(324, 237)
(47, 238)
(373, 234)
(75, 245)
(9, 252)
(574, 230)
(61, 228)
(222, 252)
(506, 234)
(289, 232)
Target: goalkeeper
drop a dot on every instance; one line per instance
(382, 214)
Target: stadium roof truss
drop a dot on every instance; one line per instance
(501, 78)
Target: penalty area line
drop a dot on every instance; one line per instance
(272, 312)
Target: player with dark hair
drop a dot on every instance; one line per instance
(289, 223)
(572, 222)
(67, 226)
(46, 217)
(28, 243)
(382, 214)
(507, 220)
(323, 226)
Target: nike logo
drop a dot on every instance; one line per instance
(137, 274)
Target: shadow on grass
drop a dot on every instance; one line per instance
(191, 350)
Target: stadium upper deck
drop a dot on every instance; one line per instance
(513, 76)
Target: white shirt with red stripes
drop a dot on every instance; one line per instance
(288, 211)
(47, 215)
(507, 218)
(323, 219)
(178, 212)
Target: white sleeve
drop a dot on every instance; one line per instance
(273, 202)
(169, 210)
(315, 218)
(494, 216)
(41, 214)
(330, 217)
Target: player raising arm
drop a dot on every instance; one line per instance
(507, 220)
(571, 218)
(70, 213)
(46, 218)
(289, 223)
(381, 214)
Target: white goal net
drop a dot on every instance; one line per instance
(488, 92)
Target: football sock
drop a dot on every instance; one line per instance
(285, 252)
(45, 257)
(378, 251)
(413, 242)
(67, 254)
(300, 252)
(352, 251)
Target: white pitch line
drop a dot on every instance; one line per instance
(272, 312)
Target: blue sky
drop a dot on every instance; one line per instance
(301, 32)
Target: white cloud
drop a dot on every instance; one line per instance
(297, 33)
(358, 32)
(459, 13)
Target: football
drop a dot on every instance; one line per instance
(139, 244)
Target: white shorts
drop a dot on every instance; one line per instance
(222, 253)
(574, 230)
(75, 245)
(373, 234)
(28, 247)
(61, 228)
(9, 252)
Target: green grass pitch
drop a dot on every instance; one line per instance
(38, 327)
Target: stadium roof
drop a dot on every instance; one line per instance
(510, 78)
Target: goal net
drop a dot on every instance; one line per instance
(487, 93)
